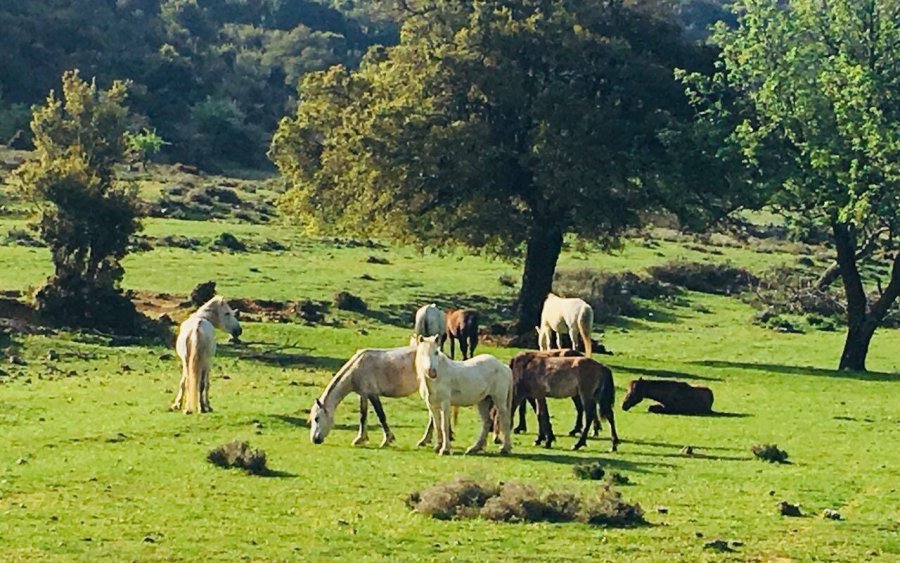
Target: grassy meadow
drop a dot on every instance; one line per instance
(95, 467)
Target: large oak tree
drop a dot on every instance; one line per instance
(503, 126)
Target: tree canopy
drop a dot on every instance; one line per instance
(814, 110)
(499, 125)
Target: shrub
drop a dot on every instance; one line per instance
(238, 454)
(769, 452)
(593, 471)
(229, 242)
(516, 502)
(346, 301)
(721, 279)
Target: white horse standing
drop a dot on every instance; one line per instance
(566, 316)
(196, 346)
(431, 321)
(483, 380)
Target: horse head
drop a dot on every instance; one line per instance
(320, 422)
(427, 356)
(634, 394)
(224, 317)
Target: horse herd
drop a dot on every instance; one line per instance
(495, 388)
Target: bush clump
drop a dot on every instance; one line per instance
(589, 471)
(346, 301)
(229, 242)
(769, 452)
(239, 454)
(720, 279)
(517, 502)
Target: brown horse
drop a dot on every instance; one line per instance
(674, 397)
(462, 325)
(576, 400)
(540, 376)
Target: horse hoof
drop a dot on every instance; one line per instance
(174, 407)
(360, 440)
(387, 440)
(574, 432)
(421, 443)
(519, 430)
(548, 445)
(538, 442)
(505, 451)
(578, 446)
(444, 451)
(497, 440)
(473, 450)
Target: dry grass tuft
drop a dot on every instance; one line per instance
(238, 454)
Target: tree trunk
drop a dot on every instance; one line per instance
(541, 255)
(862, 319)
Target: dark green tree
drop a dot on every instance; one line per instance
(498, 125)
(815, 113)
(86, 216)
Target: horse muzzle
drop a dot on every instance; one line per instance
(236, 333)
(431, 373)
(317, 439)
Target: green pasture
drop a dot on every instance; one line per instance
(94, 466)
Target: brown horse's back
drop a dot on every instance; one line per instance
(678, 397)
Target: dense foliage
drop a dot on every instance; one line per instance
(86, 216)
(213, 76)
(501, 126)
(808, 93)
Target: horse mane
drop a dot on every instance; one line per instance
(351, 363)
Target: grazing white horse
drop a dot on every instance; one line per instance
(566, 316)
(431, 321)
(196, 346)
(371, 373)
(483, 380)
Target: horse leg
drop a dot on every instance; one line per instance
(204, 391)
(541, 435)
(388, 435)
(453, 348)
(543, 415)
(521, 427)
(579, 412)
(180, 395)
(445, 427)
(597, 425)
(464, 348)
(559, 345)
(363, 436)
(484, 409)
(473, 342)
(590, 412)
(611, 419)
(658, 408)
(573, 337)
(429, 430)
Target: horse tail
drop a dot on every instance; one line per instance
(194, 368)
(606, 393)
(586, 323)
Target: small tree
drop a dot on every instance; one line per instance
(816, 117)
(86, 217)
(142, 146)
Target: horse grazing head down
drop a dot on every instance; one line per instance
(634, 395)
(427, 356)
(320, 422)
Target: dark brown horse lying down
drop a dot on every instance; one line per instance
(462, 325)
(539, 376)
(674, 397)
(576, 400)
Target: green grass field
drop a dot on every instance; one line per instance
(95, 467)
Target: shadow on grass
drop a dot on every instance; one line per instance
(679, 446)
(713, 414)
(800, 370)
(698, 456)
(665, 373)
(276, 474)
(608, 460)
(279, 356)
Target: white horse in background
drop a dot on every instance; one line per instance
(431, 321)
(196, 346)
(570, 316)
(483, 380)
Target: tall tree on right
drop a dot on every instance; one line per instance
(811, 92)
